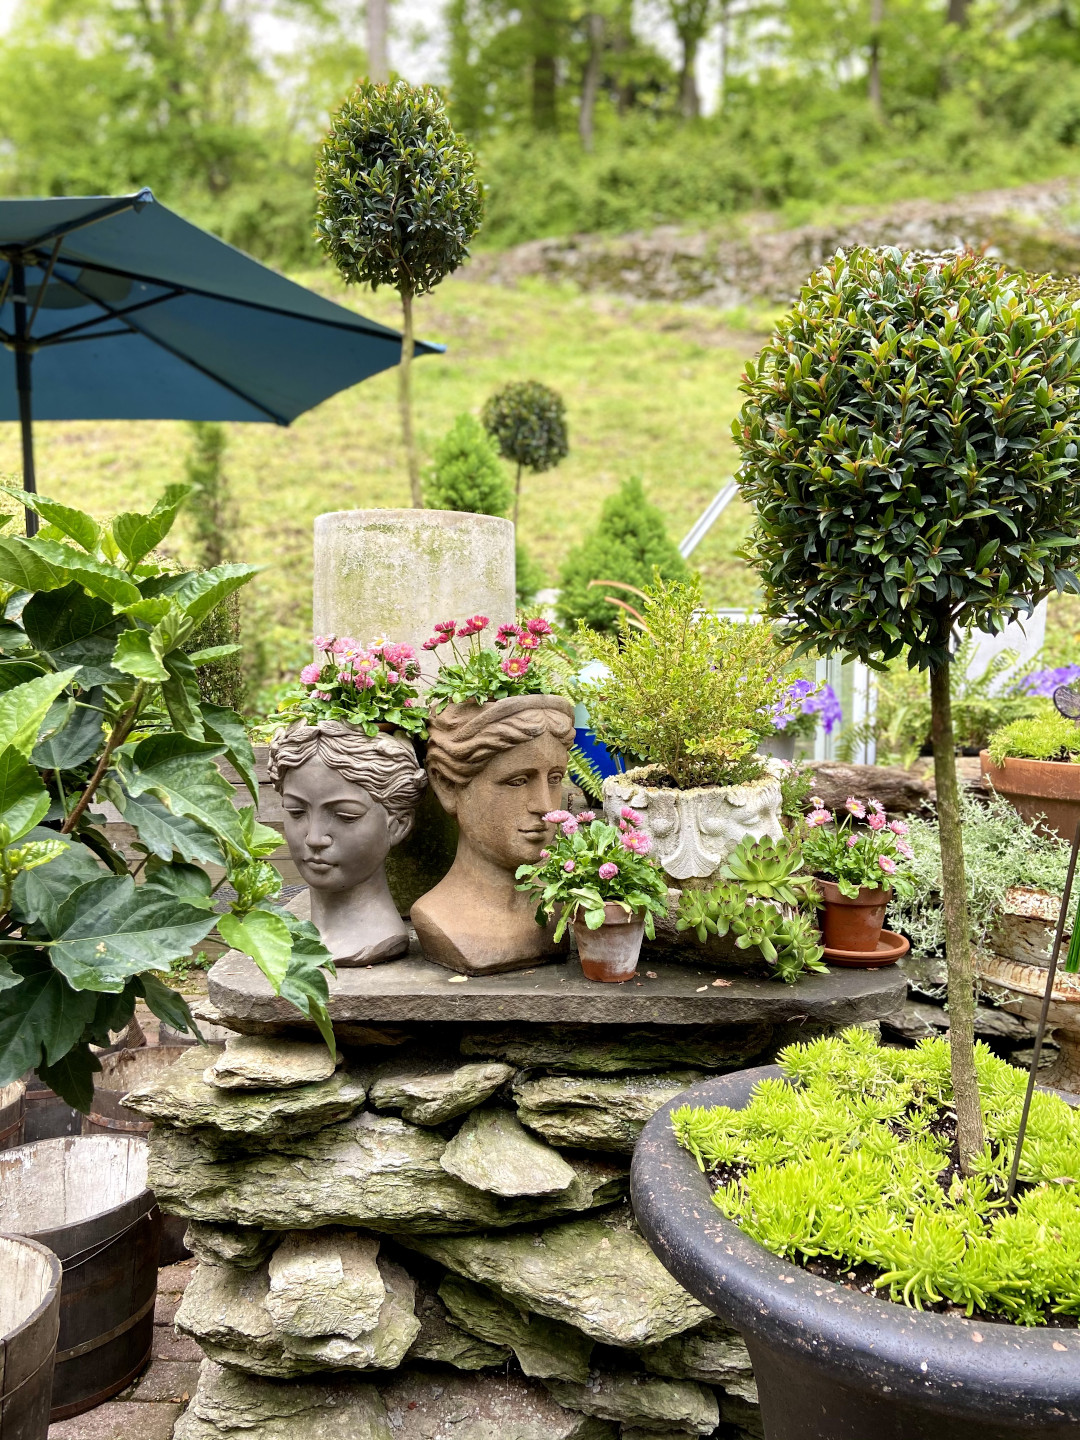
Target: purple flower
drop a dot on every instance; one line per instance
(569, 867)
(826, 706)
(1045, 682)
(608, 871)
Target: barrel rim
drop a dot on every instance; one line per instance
(42, 1308)
(103, 1224)
(137, 1050)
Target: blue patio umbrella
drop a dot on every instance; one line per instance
(115, 308)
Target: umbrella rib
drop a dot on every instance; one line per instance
(115, 207)
(57, 335)
(187, 359)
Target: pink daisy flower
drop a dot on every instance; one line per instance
(586, 817)
(818, 817)
(876, 821)
(898, 827)
(631, 816)
(570, 867)
(887, 863)
(309, 675)
(857, 808)
(608, 871)
(556, 817)
(539, 627)
(569, 827)
(515, 665)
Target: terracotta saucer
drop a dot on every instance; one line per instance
(889, 949)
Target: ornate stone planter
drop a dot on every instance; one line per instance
(694, 831)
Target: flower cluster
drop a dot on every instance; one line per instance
(806, 699)
(477, 673)
(372, 686)
(1045, 682)
(592, 863)
(869, 858)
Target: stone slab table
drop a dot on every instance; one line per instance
(413, 991)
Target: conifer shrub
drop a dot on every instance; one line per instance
(467, 473)
(629, 543)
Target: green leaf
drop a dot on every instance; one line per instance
(136, 535)
(212, 653)
(24, 801)
(73, 628)
(58, 564)
(17, 672)
(76, 524)
(112, 928)
(8, 977)
(26, 569)
(181, 695)
(189, 883)
(221, 723)
(167, 1005)
(38, 894)
(162, 832)
(77, 738)
(72, 1077)
(182, 774)
(23, 709)
(199, 592)
(263, 936)
(135, 655)
(42, 1014)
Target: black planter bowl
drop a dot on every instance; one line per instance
(832, 1363)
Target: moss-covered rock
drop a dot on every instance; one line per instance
(597, 1112)
(482, 1407)
(238, 1245)
(231, 1405)
(711, 1353)
(443, 1341)
(428, 1091)
(545, 1349)
(642, 1400)
(613, 1049)
(493, 1152)
(264, 1062)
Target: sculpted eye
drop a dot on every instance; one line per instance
(517, 780)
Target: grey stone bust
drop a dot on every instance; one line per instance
(348, 799)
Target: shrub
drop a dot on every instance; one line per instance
(398, 202)
(909, 443)
(212, 522)
(629, 544)
(528, 421)
(466, 473)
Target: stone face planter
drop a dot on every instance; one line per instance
(610, 953)
(832, 1363)
(852, 923)
(1045, 791)
(694, 831)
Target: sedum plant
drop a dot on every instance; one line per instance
(398, 201)
(1046, 736)
(909, 444)
(850, 1162)
(99, 702)
(684, 690)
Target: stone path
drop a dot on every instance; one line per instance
(149, 1409)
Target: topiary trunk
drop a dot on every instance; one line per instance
(961, 967)
(405, 398)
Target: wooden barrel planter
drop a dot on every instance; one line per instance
(85, 1197)
(12, 1098)
(29, 1319)
(121, 1072)
(45, 1115)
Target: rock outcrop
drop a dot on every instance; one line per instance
(596, 1113)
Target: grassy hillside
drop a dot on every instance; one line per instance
(650, 389)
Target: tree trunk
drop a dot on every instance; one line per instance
(873, 78)
(590, 85)
(517, 493)
(689, 99)
(620, 45)
(405, 399)
(958, 12)
(378, 58)
(961, 968)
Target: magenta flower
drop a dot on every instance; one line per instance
(515, 665)
(473, 626)
(857, 808)
(818, 817)
(445, 627)
(393, 676)
(324, 642)
(527, 641)
(586, 817)
(608, 871)
(556, 817)
(569, 867)
(630, 815)
(309, 675)
(852, 841)
(320, 695)
(539, 627)
(364, 681)
(344, 645)
(433, 642)
(636, 841)
(876, 820)
(409, 702)
(569, 827)
(887, 863)
(898, 827)
(905, 850)
(506, 635)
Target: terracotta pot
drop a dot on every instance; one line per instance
(610, 953)
(852, 924)
(1044, 791)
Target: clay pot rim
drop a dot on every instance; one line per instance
(614, 914)
(879, 895)
(852, 1338)
(1027, 766)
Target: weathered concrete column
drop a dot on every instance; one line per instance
(396, 572)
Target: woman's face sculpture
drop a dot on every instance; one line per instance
(338, 835)
(501, 811)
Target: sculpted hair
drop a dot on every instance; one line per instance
(384, 765)
(464, 738)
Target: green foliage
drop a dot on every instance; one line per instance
(1044, 736)
(100, 701)
(590, 864)
(398, 197)
(689, 693)
(584, 774)
(211, 524)
(1000, 850)
(466, 474)
(367, 688)
(851, 1161)
(529, 577)
(629, 544)
(868, 858)
(909, 444)
(528, 423)
(796, 787)
(768, 870)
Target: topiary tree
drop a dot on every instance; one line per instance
(528, 421)
(467, 473)
(629, 543)
(909, 443)
(398, 202)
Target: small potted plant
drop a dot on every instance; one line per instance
(602, 879)
(691, 695)
(858, 870)
(1035, 764)
(373, 687)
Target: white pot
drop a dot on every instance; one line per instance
(694, 831)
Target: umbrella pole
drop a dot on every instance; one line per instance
(23, 355)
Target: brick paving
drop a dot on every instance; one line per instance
(148, 1409)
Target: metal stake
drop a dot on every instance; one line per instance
(1040, 1030)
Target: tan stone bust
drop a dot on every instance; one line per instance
(497, 769)
(348, 799)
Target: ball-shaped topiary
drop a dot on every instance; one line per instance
(398, 201)
(910, 446)
(528, 422)
(467, 474)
